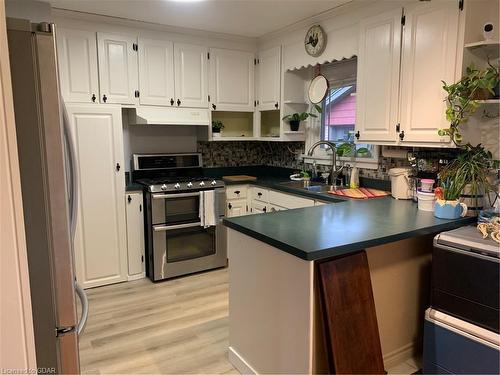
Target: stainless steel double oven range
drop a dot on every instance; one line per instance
(178, 199)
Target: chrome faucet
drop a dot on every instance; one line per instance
(334, 172)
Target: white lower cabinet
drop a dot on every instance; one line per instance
(100, 242)
(135, 235)
(275, 208)
(236, 207)
(257, 207)
(289, 201)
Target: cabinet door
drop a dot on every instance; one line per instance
(135, 234)
(231, 80)
(100, 243)
(236, 208)
(118, 73)
(156, 72)
(191, 78)
(77, 55)
(430, 38)
(269, 78)
(378, 77)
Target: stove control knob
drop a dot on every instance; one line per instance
(202, 183)
(189, 184)
(213, 183)
(177, 186)
(163, 187)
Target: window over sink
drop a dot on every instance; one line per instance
(338, 118)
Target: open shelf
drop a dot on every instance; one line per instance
(237, 125)
(486, 48)
(270, 122)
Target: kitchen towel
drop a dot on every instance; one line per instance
(209, 208)
(201, 210)
(359, 193)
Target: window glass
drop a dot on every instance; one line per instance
(338, 119)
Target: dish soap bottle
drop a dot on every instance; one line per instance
(354, 182)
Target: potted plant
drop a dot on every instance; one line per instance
(295, 118)
(470, 170)
(462, 99)
(217, 126)
(447, 204)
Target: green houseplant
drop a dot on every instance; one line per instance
(217, 126)
(295, 118)
(467, 175)
(462, 99)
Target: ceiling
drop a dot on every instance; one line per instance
(250, 18)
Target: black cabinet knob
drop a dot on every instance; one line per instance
(118, 167)
(357, 135)
(214, 107)
(129, 199)
(104, 98)
(264, 209)
(259, 194)
(93, 98)
(230, 206)
(178, 102)
(172, 101)
(237, 192)
(276, 105)
(402, 135)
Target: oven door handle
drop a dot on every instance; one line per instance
(173, 196)
(162, 228)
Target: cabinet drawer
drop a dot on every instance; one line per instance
(289, 201)
(259, 194)
(258, 207)
(274, 208)
(236, 191)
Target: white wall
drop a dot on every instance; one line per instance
(17, 345)
(157, 139)
(34, 11)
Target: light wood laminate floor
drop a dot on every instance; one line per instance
(178, 326)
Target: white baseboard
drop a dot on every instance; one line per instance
(241, 365)
(137, 276)
(399, 355)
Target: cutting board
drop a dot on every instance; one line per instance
(239, 178)
(359, 193)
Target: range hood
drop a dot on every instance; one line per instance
(143, 115)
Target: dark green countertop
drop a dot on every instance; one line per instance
(320, 232)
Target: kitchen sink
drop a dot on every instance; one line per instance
(315, 187)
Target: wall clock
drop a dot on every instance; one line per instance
(315, 41)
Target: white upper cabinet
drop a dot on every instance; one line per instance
(231, 80)
(378, 77)
(156, 72)
(269, 68)
(191, 75)
(118, 79)
(77, 55)
(430, 39)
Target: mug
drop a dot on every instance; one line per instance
(449, 209)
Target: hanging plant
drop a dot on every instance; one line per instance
(463, 98)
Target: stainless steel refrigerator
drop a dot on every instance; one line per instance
(49, 191)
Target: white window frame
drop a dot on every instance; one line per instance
(324, 156)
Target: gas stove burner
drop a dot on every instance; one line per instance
(156, 185)
(171, 173)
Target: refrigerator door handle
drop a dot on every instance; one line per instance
(85, 308)
(73, 171)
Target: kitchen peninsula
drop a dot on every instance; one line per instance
(312, 288)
